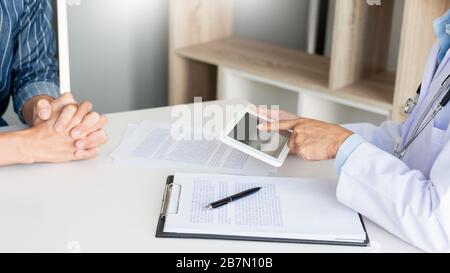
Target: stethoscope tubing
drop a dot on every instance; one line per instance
(421, 125)
(419, 132)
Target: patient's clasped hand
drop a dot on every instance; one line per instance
(61, 131)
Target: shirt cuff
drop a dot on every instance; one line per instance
(346, 149)
(32, 90)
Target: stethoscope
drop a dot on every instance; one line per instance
(426, 118)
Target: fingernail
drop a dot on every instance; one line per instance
(81, 144)
(44, 114)
(79, 154)
(59, 128)
(42, 103)
(260, 126)
(76, 133)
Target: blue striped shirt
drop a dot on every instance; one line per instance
(28, 65)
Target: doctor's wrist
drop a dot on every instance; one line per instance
(340, 139)
(346, 149)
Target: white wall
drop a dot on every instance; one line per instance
(119, 53)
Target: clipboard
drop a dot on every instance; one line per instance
(163, 214)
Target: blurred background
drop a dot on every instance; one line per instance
(120, 49)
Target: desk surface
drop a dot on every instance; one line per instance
(95, 206)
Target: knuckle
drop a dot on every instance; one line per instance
(88, 104)
(79, 127)
(302, 151)
(94, 115)
(102, 123)
(94, 153)
(71, 108)
(297, 130)
(70, 96)
(77, 120)
(67, 98)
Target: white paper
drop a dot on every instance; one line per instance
(284, 208)
(151, 144)
(130, 130)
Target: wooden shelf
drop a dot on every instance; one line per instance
(265, 60)
(294, 68)
(376, 91)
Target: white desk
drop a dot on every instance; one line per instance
(109, 208)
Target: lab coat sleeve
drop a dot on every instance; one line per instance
(346, 149)
(403, 201)
(384, 137)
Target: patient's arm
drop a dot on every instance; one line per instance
(12, 149)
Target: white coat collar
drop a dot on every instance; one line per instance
(442, 65)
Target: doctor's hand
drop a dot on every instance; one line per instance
(311, 140)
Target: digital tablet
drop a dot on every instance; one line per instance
(242, 134)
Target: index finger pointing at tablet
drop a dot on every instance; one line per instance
(283, 125)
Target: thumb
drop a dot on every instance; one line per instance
(283, 125)
(43, 109)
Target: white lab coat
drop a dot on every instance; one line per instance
(409, 198)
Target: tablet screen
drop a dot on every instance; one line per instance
(270, 143)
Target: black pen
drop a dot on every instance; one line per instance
(232, 198)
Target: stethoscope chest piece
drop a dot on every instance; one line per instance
(411, 104)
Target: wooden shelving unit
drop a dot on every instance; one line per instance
(290, 67)
(202, 45)
(272, 62)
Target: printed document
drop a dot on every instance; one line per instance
(152, 144)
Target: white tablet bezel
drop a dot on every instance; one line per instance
(276, 162)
